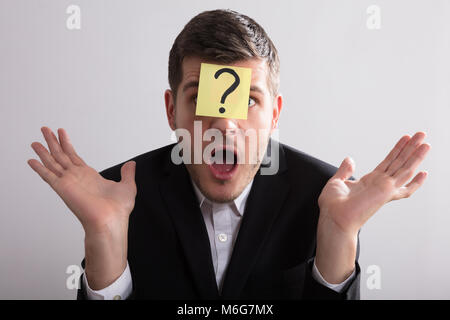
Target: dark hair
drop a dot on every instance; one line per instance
(224, 36)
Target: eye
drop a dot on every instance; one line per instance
(194, 98)
(251, 102)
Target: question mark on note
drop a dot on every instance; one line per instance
(235, 84)
(216, 83)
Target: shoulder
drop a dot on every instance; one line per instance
(305, 167)
(153, 161)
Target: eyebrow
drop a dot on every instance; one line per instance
(194, 84)
(257, 89)
(191, 84)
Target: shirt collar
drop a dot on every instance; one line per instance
(239, 202)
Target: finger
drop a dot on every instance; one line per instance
(47, 159)
(410, 188)
(346, 169)
(55, 148)
(127, 172)
(43, 172)
(68, 148)
(407, 170)
(404, 155)
(393, 154)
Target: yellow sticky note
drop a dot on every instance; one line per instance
(223, 91)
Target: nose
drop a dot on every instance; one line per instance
(225, 125)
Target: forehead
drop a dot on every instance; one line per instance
(191, 70)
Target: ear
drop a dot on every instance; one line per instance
(277, 106)
(170, 108)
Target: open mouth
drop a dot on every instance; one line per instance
(223, 163)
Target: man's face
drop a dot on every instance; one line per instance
(225, 182)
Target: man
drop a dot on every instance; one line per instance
(155, 229)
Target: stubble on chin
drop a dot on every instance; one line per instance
(222, 198)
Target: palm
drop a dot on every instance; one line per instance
(94, 200)
(350, 203)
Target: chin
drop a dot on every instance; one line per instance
(220, 190)
(223, 177)
(222, 193)
(217, 190)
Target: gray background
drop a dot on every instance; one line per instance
(348, 91)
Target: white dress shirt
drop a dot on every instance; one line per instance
(222, 222)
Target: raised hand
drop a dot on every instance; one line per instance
(94, 200)
(345, 205)
(350, 203)
(102, 206)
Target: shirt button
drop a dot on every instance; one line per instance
(222, 237)
(117, 297)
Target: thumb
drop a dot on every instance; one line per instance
(127, 172)
(346, 169)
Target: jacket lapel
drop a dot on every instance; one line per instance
(179, 197)
(263, 204)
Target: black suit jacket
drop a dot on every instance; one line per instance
(168, 247)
